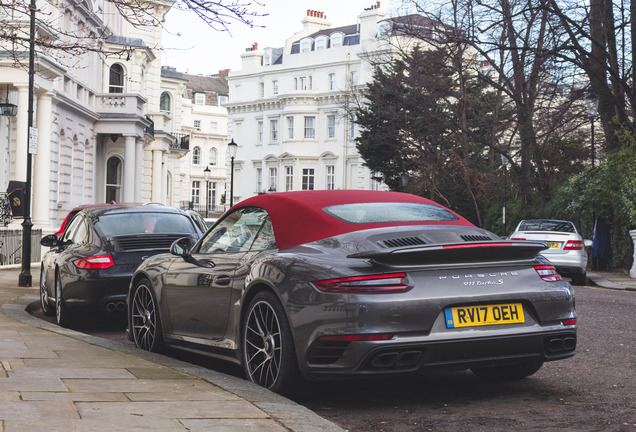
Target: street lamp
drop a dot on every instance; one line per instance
(8, 109)
(591, 103)
(206, 173)
(232, 147)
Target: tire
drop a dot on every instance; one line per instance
(509, 372)
(62, 315)
(47, 309)
(579, 279)
(145, 325)
(269, 357)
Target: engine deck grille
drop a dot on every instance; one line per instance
(401, 242)
(475, 237)
(145, 242)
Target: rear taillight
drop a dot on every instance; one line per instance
(365, 284)
(95, 262)
(569, 322)
(475, 245)
(573, 245)
(548, 273)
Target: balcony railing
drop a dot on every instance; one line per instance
(182, 142)
(120, 104)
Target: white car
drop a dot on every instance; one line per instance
(566, 247)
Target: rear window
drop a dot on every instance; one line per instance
(144, 223)
(547, 225)
(364, 213)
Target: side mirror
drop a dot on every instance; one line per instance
(50, 240)
(183, 247)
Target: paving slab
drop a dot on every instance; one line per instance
(172, 409)
(231, 425)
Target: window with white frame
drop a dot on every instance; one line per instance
(213, 156)
(211, 196)
(165, 103)
(353, 78)
(199, 98)
(352, 126)
(259, 180)
(331, 126)
(330, 177)
(259, 130)
(196, 192)
(308, 179)
(261, 89)
(303, 83)
(332, 81)
(273, 179)
(116, 79)
(336, 40)
(290, 127)
(197, 124)
(214, 126)
(321, 43)
(275, 87)
(310, 127)
(273, 129)
(222, 99)
(196, 155)
(305, 44)
(289, 178)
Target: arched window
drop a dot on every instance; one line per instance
(165, 104)
(196, 156)
(113, 179)
(213, 156)
(116, 80)
(305, 44)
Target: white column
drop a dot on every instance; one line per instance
(128, 184)
(42, 167)
(22, 133)
(157, 177)
(139, 167)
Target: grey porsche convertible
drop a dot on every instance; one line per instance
(338, 284)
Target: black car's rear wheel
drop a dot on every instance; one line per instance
(62, 315)
(509, 372)
(44, 295)
(269, 357)
(144, 318)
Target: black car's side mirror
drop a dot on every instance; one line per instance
(183, 247)
(50, 240)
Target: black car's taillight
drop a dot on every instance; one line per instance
(382, 283)
(95, 262)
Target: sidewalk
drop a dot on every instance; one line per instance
(57, 379)
(612, 280)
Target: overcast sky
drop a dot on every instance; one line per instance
(193, 47)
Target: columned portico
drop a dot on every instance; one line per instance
(42, 168)
(157, 176)
(22, 132)
(128, 193)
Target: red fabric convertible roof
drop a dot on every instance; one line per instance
(297, 217)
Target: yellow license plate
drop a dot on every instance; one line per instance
(481, 315)
(554, 245)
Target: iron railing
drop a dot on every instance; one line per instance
(11, 246)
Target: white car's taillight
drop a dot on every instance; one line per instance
(573, 245)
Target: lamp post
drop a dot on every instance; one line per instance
(591, 103)
(232, 147)
(206, 173)
(25, 279)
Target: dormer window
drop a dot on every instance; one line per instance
(199, 98)
(336, 39)
(321, 42)
(305, 44)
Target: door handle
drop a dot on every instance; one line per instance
(222, 280)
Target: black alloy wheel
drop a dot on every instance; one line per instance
(146, 326)
(269, 357)
(44, 295)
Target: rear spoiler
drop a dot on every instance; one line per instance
(455, 252)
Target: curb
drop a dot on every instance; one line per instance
(294, 417)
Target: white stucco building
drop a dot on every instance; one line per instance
(287, 106)
(111, 124)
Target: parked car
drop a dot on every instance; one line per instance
(89, 266)
(566, 247)
(198, 220)
(336, 284)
